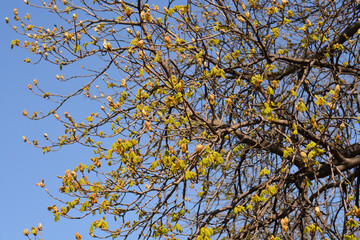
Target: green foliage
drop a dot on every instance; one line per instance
(221, 120)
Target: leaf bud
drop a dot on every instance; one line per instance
(78, 236)
(199, 148)
(183, 147)
(145, 113)
(26, 232)
(303, 155)
(141, 44)
(129, 30)
(81, 168)
(25, 113)
(308, 22)
(34, 231)
(128, 12)
(106, 45)
(212, 99)
(35, 82)
(7, 20)
(337, 90)
(40, 226)
(67, 35)
(284, 224)
(24, 138)
(74, 16)
(317, 211)
(142, 15)
(342, 126)
(26, 1)
(148, 125)
(167, 40)
(123, 82)
(141, 54)
(29, 87)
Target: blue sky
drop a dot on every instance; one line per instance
(24, 204)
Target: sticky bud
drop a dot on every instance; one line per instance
(129, 30)
(24, 138)
(29, 87)
(35, 82)
(25, 113)
(40, 227)
(26, 1)
(56, 116)
(7, 20)
(74, 16)
(45, 135)
(26, 232)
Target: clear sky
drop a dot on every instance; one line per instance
(22, 203)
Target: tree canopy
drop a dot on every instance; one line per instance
(212, 119)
